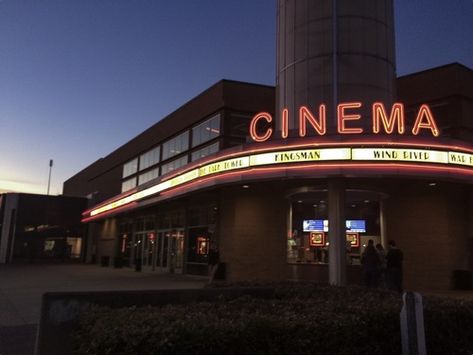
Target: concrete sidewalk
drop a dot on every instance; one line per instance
(22, 286)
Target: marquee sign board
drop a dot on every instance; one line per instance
(288, 156)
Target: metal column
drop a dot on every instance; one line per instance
(337, 233)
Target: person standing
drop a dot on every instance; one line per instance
(382, 268)
(394, 259)
(213, 261)
(348, 252)
(370, 265)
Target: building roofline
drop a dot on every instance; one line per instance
(453, 64)
(34, 194)
(217, 89)
(244, 83)
(221, 82)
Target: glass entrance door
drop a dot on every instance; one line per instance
(170, 251)
(145, 249)
(176, 251)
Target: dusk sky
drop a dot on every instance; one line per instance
(79, 78)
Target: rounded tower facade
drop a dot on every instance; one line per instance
(333, 51)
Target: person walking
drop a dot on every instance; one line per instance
(394, 259)
(370, 265)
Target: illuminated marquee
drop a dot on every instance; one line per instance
(224, 165)
(298, 156)
(410, 155)
(346, 116)
(460, 158)
(248, 160)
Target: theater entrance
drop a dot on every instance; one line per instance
(162, 250)
(309, 237)
(169, 253)
(145, 249)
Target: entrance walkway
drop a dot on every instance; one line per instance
(21, 288)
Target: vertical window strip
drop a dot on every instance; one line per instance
(130, 168)
(206, 131)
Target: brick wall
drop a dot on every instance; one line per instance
(253, 234)
(431, 230)
(107, 239)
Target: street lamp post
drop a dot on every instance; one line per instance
(50, 168)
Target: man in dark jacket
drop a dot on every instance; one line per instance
(394, 259)
(371, 265)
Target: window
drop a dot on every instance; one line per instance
(238, 123)
(144, 224)
(128, 184)
(149, 158)
(173, 165)
(205, 152)
(198, 244)
(176, 146)
(206, 131)
(148, 176)
(130, 168)
(201, 231)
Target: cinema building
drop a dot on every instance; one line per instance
(291, 182)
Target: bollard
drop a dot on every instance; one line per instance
(412, 324)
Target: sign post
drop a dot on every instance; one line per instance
(412, 324)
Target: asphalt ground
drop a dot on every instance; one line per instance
(22, 286)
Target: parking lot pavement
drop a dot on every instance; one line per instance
(22, 285)
(18, 340)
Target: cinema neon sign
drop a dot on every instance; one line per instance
(339, 154)
(347, 117)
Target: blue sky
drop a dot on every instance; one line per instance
(78, 78)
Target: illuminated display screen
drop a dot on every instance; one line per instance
(255, 159)
(321, 225)
(315, 225)
(356, 225)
